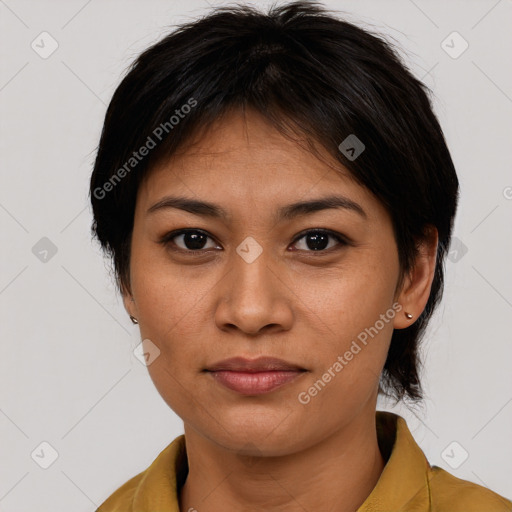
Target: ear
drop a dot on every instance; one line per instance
(415, 290)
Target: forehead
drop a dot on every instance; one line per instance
(242, 158)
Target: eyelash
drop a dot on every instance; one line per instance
(166, 240)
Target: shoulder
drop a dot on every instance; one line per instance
(156, 485)
(451, 494)
(122, 499)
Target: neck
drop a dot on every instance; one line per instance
(337, 473)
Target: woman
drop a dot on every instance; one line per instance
(277, 198)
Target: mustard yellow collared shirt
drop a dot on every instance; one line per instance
(408, 482)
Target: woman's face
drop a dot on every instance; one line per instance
(256, 286)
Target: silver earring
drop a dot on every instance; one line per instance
(133, 319)
(408, 315)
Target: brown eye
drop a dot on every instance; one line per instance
(188, 240)
(319, 240)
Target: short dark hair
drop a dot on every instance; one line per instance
(310, 74)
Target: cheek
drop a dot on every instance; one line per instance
(352, 314)
(350, 361)
(169, 298)
(345, 301)
(173, 303)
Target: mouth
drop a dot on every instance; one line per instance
(256, 376)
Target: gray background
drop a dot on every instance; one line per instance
(68, 373)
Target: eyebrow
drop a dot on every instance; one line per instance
(288, 212)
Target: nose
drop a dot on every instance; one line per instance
(253, 298)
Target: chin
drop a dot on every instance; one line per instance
(252, 436)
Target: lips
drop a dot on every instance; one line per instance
(254, 377)
(261, 364)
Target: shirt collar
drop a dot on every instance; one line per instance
(403, 480)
